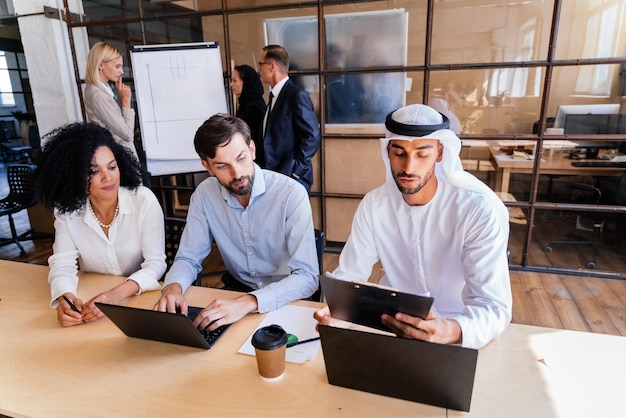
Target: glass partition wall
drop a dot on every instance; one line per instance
(534, 88)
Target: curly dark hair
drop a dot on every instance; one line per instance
(63, 171)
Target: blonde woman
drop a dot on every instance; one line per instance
(104, 64)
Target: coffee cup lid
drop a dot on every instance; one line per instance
(269, 337)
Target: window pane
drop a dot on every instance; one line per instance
(587, 29)
(414, 36)
(363, 97)
(298, 36)
(502, 32)
(16, 82)
(7, 99)
(362, 105)
(247, 36)
(350, 35)
(488, 101)
(564, 238)
(98, 10)
(10, 61)
(21, 60)
(594, 89)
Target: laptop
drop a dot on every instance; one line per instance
(414, 370)
(364, 303)
(166, 327)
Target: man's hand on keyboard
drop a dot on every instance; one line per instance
(171, 300)
(225, 311)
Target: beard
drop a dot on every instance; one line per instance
(240, 191)
(413, 190)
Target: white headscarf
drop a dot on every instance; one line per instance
(421, 121)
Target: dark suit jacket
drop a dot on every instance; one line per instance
(291, 136)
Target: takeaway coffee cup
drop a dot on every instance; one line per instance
(270, 344)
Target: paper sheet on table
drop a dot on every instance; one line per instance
(505, 157)
(474, 143)
(619, 158)
(554, 144)
(297, 320)
(515, 143)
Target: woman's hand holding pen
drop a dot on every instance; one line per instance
(69, 310)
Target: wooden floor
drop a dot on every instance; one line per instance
(556, 301)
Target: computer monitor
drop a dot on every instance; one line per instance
(593, 124)
(589, 110)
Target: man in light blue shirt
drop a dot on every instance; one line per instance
(260, 220)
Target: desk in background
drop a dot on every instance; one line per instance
(556, 163)
(475, 156)
(94, 370)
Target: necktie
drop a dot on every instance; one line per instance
(269, 109)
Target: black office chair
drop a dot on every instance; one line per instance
(319, 244)
(173, 232)
(21, 196)
(26, 153)
(607, 191)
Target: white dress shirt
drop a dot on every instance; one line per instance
(452, 249)
(135, 246)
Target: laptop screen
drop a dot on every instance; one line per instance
(160, 326)
(434, 374)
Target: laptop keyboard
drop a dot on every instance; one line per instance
(209, 336)
(212, 336)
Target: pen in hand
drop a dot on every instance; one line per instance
(69, 302)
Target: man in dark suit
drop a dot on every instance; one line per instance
(291, 135)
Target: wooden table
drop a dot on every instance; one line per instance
(555, 163)
(94, 370)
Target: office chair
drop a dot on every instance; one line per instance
(26, 153)
(21, 196)
(593, 222)
(317, 296)
(8, 137)
(173, 232)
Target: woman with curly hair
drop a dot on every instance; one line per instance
(104, 219)
(104, 65)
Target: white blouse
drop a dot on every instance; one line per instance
(135, 246)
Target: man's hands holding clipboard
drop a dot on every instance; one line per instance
(432, 329)
(383, 308)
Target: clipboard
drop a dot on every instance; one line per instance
(363, 303)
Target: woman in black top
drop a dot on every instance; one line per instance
(251, 107)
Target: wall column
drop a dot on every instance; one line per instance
(49, 61)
